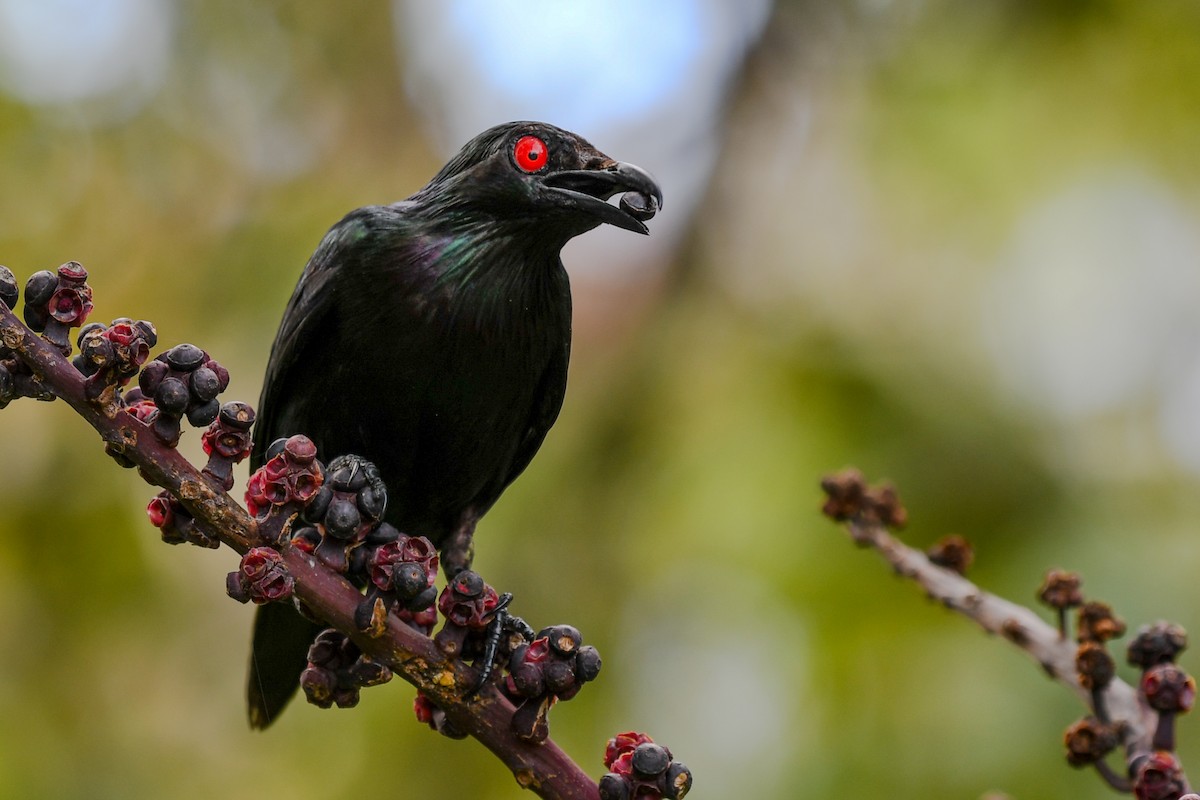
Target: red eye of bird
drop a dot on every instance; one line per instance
(530, 153)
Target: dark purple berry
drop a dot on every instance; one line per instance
(315, 511)
(558, 675)
(9, 291)
(300, 449)
(614, 787)
(205, 386)
(587, 663)
(639, 206)
(38, 290)
(172, 396)
(152, 375)
(467, 584)
(8, 390)
(409, 579)
(528, 680)
(204, 414)
(237, 415)
(371, 502)
(650, 759)
(677, 782)
(342, 519)
(40, 287)
(563, 639)
(1157, 643)
(276, 448)
(185, 357)
(87, 330)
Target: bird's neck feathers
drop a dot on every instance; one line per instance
(493, 279)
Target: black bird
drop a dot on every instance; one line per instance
(431, 336)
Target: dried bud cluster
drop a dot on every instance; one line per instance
(109, 356)
(337, 670)
(1164, 688)
(1089, 740)
(1061, 590)
(1156, 644)
(850, 498)
(1098, 623)
(55, 302)
(953, 553)
(1158, 776)
(262, 577)
(183, 381)
(639, 769)
(1095, 666)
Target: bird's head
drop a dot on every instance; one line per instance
(543, 181)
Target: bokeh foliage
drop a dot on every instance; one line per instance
(672, 513)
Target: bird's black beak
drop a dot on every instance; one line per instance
(588, 190)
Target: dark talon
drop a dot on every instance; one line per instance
(495, 632)
(502, 622)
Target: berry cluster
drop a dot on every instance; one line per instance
(262, 577)
(16, 379)
(337, 670)
(469, 606)
(110, 355)
(8, 288)
(639, 768)
(554, 666)
(228, 441)
(402, 572)
(183, 381)
(55, 302)
(291, 476)
(429, 714)
(177, 523)
(342, 511)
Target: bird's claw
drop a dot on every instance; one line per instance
(502, 622)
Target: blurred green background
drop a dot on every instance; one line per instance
(954, 244)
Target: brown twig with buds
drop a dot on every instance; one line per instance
(1139, 719)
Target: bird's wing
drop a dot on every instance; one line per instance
(311, 314)
(296, 384)
(278, 655)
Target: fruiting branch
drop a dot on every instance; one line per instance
(140, 430)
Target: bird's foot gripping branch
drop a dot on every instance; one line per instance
(312, 534)
(1139, 720)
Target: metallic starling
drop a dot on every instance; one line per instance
(431, 336)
